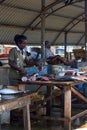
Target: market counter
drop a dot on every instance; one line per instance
(68, 89)
(20, 102)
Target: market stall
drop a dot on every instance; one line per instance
(22, 101)
(68, 89)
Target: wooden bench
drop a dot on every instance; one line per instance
(21, 102)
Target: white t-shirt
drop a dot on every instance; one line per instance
(48, 53)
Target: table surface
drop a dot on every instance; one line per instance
(10, 104)
(20, 102)
(66, 83)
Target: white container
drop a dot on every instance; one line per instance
(56, 69)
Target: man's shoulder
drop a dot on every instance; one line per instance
(13, 49)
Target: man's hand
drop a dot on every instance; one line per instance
(22, 72)
(40, 65)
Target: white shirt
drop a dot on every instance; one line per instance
(48, 53)
(18, 49)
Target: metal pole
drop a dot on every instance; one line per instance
(86, 28)
(43, 28)
(65, 45)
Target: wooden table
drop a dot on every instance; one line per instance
(68, 89)
(20, 102)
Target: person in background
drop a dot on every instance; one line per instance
(36, 53)
(18, 60)
(51, 58)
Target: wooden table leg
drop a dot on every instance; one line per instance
(49, 102)
(67, 108)
(26, 117)
(22, 87)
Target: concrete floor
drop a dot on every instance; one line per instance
(46, 125)
(36, 126)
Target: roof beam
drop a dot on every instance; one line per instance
(30, 24)
(50, 6)
(2, 1)
(78, 42)
(39, 29)
(42, 12)
(71, 24)
(39, 44)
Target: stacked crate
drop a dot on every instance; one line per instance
(79, 54)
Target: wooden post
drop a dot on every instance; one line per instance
(43, 29)
(67, 109)
(26, 117)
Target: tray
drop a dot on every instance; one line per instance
(12, 94)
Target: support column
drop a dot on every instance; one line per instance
(43, 28)
(67, 108)
(86, 28)
(65, 45)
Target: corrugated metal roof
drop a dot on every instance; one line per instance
(16, 16)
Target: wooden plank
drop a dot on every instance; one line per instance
(48, 83)
(79, 114)
(26, 117)
(22, 87)
(79, 94)
(50, 118)
(21, 102)
(13, 104)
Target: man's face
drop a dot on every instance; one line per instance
(48, 45)
(22, 45)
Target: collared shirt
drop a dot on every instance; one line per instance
(18, 59)
(22, 53)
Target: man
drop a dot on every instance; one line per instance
(51, 58)
(18, 60)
